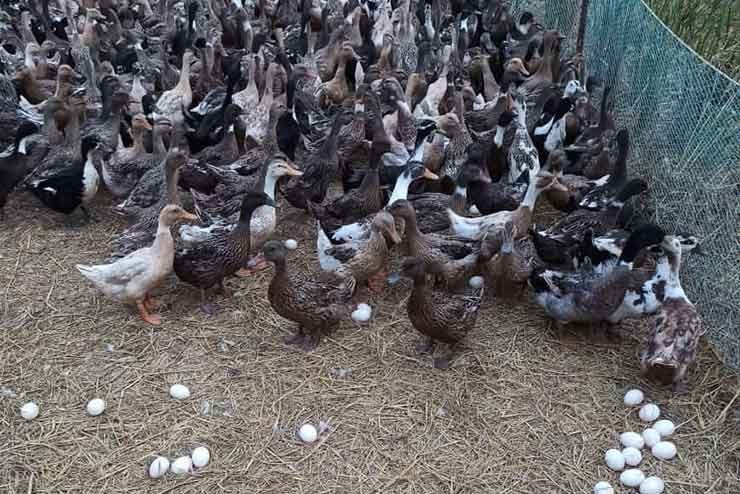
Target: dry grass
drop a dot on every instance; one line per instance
(525, 409)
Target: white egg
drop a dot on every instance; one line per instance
(632, 477)
(362, 313)
(664, 427)
(201, 456)
(631, 440)
(603, 487)
(651, 436)
(159, 467)
(652, 485)
(614, 459)
(664, 450)
(95, 407)
(182, 465)
(179, 392)
(649, 412)
(30, 411)
(633, 397)
(475, 282)
(291, 244)
(632, 456)
(308, 433)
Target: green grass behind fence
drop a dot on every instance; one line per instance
(711, 27)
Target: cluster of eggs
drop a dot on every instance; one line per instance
(632, 442)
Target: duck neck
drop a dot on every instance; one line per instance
(269, 185)
(530, 197)
(498, 139)
(459, 199)
(89, 165)
(171, 178)
(72, 130)
(139, 140)
(158, 142)
(163, 241)
(401, 189)
(184, 83)
(673, 285)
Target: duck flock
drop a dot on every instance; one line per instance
(425, 132)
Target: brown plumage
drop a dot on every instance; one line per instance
(366, 260)
(506, 271)
(440, 316)
(316, 305)
(672, 343)
(205, 264)
(455, 259)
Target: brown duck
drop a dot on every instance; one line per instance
(441, 317)
(316, 305)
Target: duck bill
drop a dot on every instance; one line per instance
(395, 237)
(430, 175)
(146, 125)
(484, 176)
(189, 217)
(293, 172)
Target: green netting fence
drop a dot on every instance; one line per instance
(684, 121)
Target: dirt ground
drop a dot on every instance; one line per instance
(526, 408)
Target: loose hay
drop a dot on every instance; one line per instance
(526, 407)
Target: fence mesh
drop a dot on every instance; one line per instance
(684, 121)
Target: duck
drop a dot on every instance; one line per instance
(132, 278)
(647, 295)
(163, 192)
(172, 102)
(431, 207)
(255, 157)
(248, 97)
(671, 345)
(492, 224)
(257, 118)
(591, 295)
(354, 205)
(359, 231)
(364, 261)
(609, 185)
(335, 91)
(554, 244)
(440, 316)
(523, 154)
(317, 305)
(226, 150)
(205, 264)
(507, 262)
(108, 127)
(16, 162)
(73, 187)
(127, 165)
(457, 259)
(319, 170)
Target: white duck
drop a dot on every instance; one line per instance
(131, 278)
(171, 103)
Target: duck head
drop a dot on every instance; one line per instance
(383, 222)
(448, 124)
(281, 166)
(89, 144)
(140, 122)
(402, 209)
(275, 252)
(173, 213)
(546, 180)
